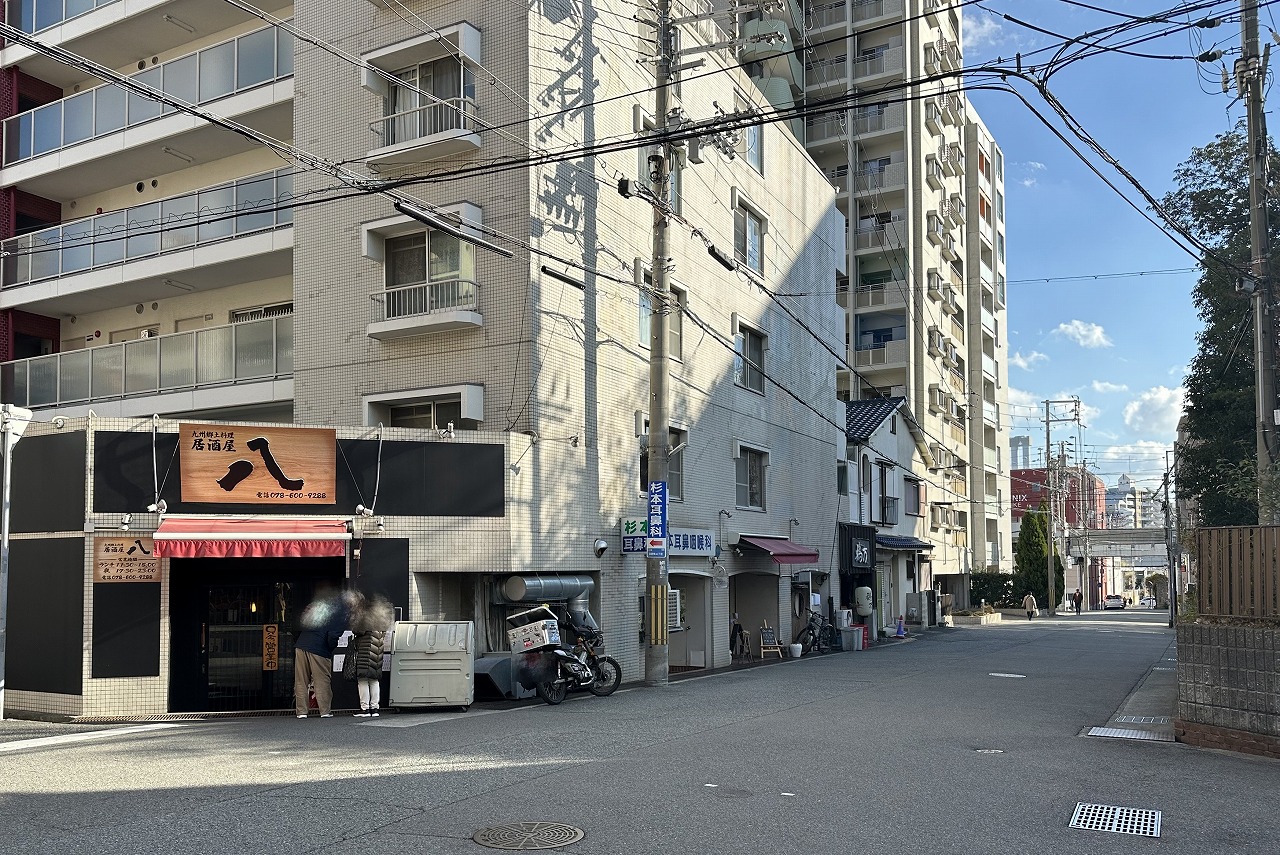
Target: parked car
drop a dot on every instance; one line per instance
(1147, 602)
(1113, 601)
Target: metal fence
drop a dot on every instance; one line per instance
(1238, 571)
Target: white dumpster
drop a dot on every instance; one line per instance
(433, 664)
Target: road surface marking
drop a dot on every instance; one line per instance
(998, 674)
(71, 738)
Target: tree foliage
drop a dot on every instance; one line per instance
(995, 588)
(1216, 467)
(1030, 554)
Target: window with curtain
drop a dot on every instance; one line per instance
(749, 345)
(751, 468)
(429, 98)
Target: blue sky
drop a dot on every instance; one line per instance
(1120, 344)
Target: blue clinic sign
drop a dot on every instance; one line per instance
(655, 545)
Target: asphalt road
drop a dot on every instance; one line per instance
(882, 751)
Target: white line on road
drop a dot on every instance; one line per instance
(71, 738)
(998, 674)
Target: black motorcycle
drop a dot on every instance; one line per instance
(557, 670)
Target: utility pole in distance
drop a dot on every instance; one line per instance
(1251, 73)
(1048, 477)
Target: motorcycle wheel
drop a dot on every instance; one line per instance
(806, 639)
(552, 692)
(608, 676)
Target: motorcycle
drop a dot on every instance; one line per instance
(557, 670)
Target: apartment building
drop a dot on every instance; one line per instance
(921, 182)
(475, 359)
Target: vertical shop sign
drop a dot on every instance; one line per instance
(233, 464)
(270, 647)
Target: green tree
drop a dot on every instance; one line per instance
(1030, 553)
(995, 588)
(1217, 466)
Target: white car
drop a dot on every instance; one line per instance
(1113, 601)
(1147, 602)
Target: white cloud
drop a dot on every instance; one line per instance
(1028, 361)
(981, 32)
(1036, 165)
(1028, 182)
(1084, 334)
(1155, 411)
(1104, 387)
(1124, 458)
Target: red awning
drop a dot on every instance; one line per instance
(192, 537)
(782, 550)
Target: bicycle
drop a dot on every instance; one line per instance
(818, 633)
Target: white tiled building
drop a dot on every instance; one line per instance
(161, 265)
(921, 181)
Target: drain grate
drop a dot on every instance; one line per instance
(528, 835)
(1121, 820)
(1141, 719)
(1131, 733)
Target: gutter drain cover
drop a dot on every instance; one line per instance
(1121, 820)
(528, 835)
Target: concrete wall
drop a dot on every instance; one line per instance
(1228, 682)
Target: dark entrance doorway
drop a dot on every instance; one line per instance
(223, 614)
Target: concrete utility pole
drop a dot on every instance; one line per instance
(1251, 73)
(657, 652)
(1171, 544)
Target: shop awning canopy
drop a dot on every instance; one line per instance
(204, 537)
(894, 541)
(782, 550)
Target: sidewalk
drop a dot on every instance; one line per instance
(1150, 709)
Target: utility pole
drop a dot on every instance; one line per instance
(1251, 74)
(657, 652)
(1174, 550)
(1048, 463)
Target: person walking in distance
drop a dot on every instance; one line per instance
(1076, 599)
(1029, 603)
(371, 620)
(323, 623)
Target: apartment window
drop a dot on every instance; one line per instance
(675, 318)
(912, 497)
(753, 141)
(675, 464)
(259, 313)
(999, 206)
(1000, 247)
(428, 256)
(751, 465)
(842, 479)
(430, 98)
(749, 345)
(431, 415)
(748, 238)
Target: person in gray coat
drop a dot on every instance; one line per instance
(1029, 603)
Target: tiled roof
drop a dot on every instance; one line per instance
(861, 418)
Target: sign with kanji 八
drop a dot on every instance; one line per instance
(127, 558)
(233, 464)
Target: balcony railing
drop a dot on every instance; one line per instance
(893, 117)
(262, 56)
(824, 127)
(449, 114)
(888, 61)
(256, 350)
(881, 294)
(869, 181)
(426, 298)
(865, 10)
(892, 233)
(32, 16)
(827, 70)
(884, 353)
(827, 15)
(207, 216)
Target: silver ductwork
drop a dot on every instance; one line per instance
(574, 590)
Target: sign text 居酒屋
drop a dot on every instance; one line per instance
(128, 558)
(233, 464)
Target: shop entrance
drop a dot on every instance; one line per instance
(225, 614)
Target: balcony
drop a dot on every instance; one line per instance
(935, 229)
(827, 15)
(949, 303)
(889, 235)
(866, 11)
(893, 176)
(825, 129)
(58, 150)
(990, 368)
(991, 413)
(881, 295)
(871, 122)
(256, 351)
(934, 284)
(991, 458)
(933, 116)
(428, 307)
(887, 61)
(988, 320)
(882, 354)
(950, 249)
(440, 129)
(148, 246)
(827, 71)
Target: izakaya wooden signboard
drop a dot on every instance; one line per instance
(232, 464)
(128, 558)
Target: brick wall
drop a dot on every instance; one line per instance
(1229, 687)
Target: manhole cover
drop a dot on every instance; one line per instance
(1121, 820)
(528, 835)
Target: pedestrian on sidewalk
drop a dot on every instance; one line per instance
(1029, 603)
(371, 621)
(1076, 599)
(323, 623)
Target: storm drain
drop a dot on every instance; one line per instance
(1141, 719)
(528, 835)
(1121, 820)
(1130, 733)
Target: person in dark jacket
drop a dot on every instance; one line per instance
(371, 620)
(323, 623)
